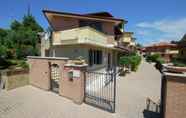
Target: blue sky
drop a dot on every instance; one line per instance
(150, 20)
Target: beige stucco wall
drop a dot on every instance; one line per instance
(65, 23)
(127, 39)
(75, 51)
(79, 35)
(12, 79)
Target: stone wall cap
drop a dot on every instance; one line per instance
(74, 65)
(49, 58)
(175, 74)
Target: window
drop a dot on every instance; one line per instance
(90, 58)
(95, 57)
(94, 24)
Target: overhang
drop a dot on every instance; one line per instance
(49, 14)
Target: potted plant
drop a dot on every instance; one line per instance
(79, 61)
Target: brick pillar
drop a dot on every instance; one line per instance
(173, 95)
(72, 84)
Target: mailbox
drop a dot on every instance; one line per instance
(70, 75)
(73, 74)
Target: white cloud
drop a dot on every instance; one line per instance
(169, 29)
(143, 32)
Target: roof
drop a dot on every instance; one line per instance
(162, 44)
(102, 14)
(129, 33)
(96, 16)
(124, 49)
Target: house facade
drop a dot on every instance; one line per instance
(166, 50)
(93, 37)
(128, 40)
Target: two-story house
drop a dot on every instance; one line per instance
(92, 36)
(167, 50)
(127, 40)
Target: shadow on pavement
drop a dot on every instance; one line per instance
(150, 114)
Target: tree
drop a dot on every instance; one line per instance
(3, 33)
(174, 42)
(21, 39)
(139, 45)
(182, 42)
(15, 25)
(132, 60)
(30, 22)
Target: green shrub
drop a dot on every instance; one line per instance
(16, 63)
(131, 60)
(124, 60)
(23, 64)
(178, 62)
(135, 61)
(153, 57)
(161, 60)
(4, 63)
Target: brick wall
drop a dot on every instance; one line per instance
(174, 96)
(40, 71)
(40, 76)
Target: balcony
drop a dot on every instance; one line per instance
(126, 39)
(82, 35)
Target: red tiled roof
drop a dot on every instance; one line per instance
(162, 44)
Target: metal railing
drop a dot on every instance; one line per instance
(152, 106)
(100, 90)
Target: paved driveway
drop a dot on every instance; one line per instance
(132, 91)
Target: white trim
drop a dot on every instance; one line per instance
(39, 57)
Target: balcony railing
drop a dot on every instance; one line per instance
(126, 39)
(82, 35)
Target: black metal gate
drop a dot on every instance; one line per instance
(100, 90)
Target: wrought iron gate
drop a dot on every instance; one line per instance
(100, 90)
(55, 76)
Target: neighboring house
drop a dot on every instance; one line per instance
(182, 49)
(166, 50)
(92, 36)
(127, 40)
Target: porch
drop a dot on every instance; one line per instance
(98, 58)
